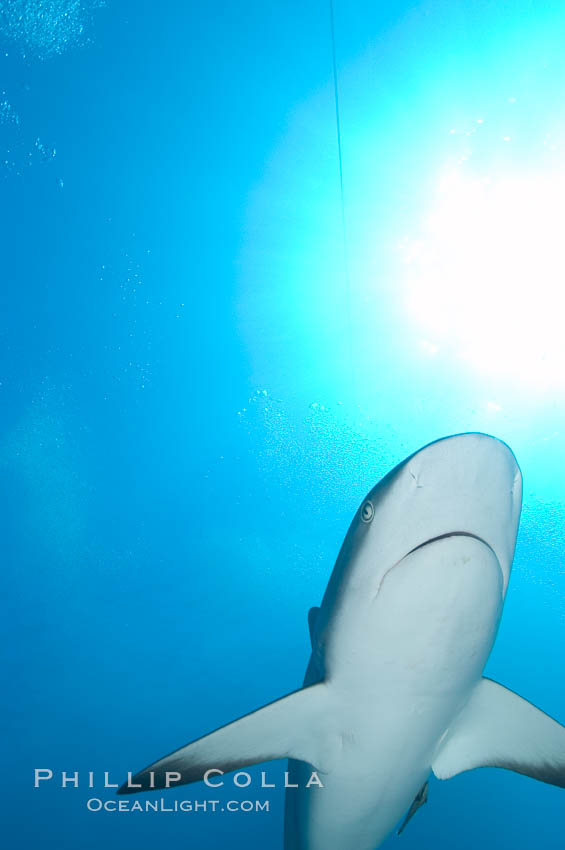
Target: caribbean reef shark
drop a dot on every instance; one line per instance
(394, 688)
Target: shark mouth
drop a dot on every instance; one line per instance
(435, 540)
(452, 534)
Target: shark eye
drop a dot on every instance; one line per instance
(367, 512)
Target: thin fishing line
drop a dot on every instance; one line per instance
(342, 194)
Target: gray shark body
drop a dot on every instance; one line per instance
(394, 687)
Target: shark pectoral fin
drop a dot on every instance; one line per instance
(312, 618)
(291, 727)
(497, 728)
(420, 799)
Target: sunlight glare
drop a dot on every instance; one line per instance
(485, 278)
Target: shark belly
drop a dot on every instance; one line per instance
(403, 661)
(351, 810)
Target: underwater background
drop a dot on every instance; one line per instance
(208, 359)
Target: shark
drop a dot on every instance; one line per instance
(394, 690)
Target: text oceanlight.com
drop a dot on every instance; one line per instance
(95, 804)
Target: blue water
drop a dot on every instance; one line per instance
(199, 382)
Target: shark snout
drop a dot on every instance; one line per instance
(467, 485)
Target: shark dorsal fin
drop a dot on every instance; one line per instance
(497, 728)
(312, 620)
(419, 800)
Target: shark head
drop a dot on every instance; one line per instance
(468, 485)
